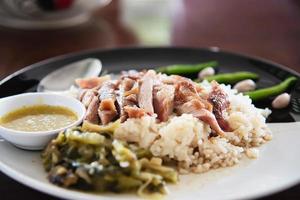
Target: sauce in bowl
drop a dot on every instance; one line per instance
(37, 118)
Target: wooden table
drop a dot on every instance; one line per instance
(269, 29)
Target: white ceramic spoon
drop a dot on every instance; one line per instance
(63, 78)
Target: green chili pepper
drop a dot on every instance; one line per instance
(186, 68)
(231, 78)
(264, 93)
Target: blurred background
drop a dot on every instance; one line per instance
(33, 30)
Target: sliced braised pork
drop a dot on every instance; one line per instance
(127, 96)
(134, 111)
(87, 96)
(163, 101)
(107, 110)
(136, 94)
(188, 101)
(92, 82)
(186, 91)
(189, 107)
(145, 94)
(132, 74)
(220, 102)
(91, 112)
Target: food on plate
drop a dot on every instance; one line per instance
(245, 85)
(38, 118)
(144, 127)
(98, 162)
(280, 88)
(231, 78)
(185, 69)
(281, 101)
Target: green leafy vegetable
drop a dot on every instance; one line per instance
(97, 162)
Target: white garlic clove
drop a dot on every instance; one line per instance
(281, 101)
(209, 71)
(245, 85)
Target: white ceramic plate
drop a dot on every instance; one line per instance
(276, 169)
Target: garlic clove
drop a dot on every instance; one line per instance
(281, 101)
(245, 85)
(209, 71)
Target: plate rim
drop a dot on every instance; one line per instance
(176, 48)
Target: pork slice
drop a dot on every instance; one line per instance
(91, 112)
(172, 79)
(120, 102)
(132, 74)
(127, 84)
(92, 82)
(107, 110)
(196, 108)
(185, 91)
(134, 111)
(145, 96)
(220, 102)
(87, 97)
(189, 107)
(126, 96)
(134, 90)
(81, 94)
(163, 101)
(209, 118)
(187, 100)
(107, 91)
(165, 79)
(131, 99)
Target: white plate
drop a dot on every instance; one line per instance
(276, 169)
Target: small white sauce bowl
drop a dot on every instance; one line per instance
(37, 140)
